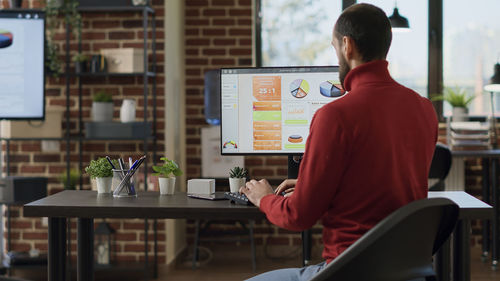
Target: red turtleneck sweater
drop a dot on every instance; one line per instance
(367, 154)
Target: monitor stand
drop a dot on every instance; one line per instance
(293, 173)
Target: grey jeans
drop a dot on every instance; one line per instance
(290, 274)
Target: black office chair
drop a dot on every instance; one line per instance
(400, 247)
(440, 167)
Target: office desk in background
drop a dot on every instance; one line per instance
(490, 194)
(86, 205)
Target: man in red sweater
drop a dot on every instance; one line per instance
(367, 154)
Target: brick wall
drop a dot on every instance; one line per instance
(100, 31)
(218, 33)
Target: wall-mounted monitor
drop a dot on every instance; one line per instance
(269, 110)
(22, 80)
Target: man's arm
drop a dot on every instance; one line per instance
(320, 174)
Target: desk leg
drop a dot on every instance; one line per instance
(306, 247)
(486, 199)
(57, 249)
(461, 251)
(442, 261)
(494, 223)
(85, 266)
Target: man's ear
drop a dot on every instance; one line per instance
(348, 47)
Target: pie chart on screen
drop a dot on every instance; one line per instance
(299, 88)
(5, 38)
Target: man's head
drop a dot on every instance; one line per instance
(361, 34)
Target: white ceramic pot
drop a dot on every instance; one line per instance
(102, 111)
(103, 185)
(460, 114)
(167, 185)
(236, 183)
(127, 111)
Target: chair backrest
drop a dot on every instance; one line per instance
(398, 248)
(440, 166)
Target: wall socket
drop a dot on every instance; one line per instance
(50, 146)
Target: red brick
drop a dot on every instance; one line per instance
(47, 158)
(239, 52)
(19, 158)
(126, 236)
(214, 12)
(214, 32)
(21, 247)
(96, 46)
(223, 61)
(192, 12)
(197, 42)
(35, 235)
(33, 169)
(93, 35)
(105, 24)
(31, 147)
(20, 224)
(121, 35)
(240, 12)
(262, 172)
(223, 2)
(135, 247)
(190, 3)
(199, 61)
(133, 225)
(245, 2)
(224, 42)
(224, 22)
(197, 22)
(240, 31)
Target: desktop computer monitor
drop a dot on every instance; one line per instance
(22, 81)
(269, 110)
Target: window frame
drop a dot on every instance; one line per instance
(435, 47)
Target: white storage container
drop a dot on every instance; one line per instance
(124, 60)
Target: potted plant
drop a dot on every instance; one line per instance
(102, 107)
(237, 178)
(459, 99)
(71, 182)
(166, 175)
(81, 63)
(102, 172)
(71, 18)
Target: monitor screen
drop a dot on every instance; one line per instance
(269, 110)
(22, 82)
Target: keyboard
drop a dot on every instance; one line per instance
(236, 197)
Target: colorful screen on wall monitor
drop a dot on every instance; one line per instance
(269, 110)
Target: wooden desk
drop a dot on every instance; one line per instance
(86, 205)
(490, 194)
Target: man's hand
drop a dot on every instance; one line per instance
(288, 186)
(255, 190)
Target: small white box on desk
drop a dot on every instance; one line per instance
(201, 186)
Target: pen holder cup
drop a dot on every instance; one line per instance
(127, 188)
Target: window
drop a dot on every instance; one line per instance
(471, 47)
(298, 32)
(408, 55)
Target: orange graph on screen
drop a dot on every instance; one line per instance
(267, 88)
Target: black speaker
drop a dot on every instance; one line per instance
(212, 97)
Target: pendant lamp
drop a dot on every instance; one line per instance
(399, 22)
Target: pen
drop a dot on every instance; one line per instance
(130, 173)
(111, 163)
(122, 167)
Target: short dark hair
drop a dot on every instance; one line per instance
(370, 29)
